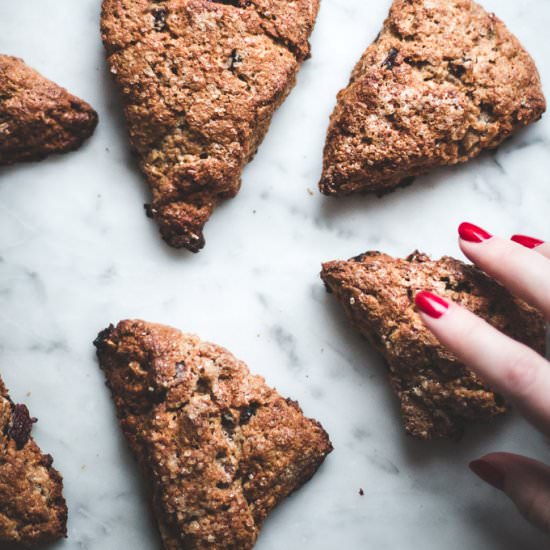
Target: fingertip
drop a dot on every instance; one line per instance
(527, 241)
(489, 472)
(431, 304)
(471, 233)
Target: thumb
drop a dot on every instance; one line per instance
(524, 480)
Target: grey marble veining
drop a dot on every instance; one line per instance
(77, 252)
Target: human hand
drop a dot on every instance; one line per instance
(511, 368)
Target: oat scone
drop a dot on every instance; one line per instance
(438, 394)
(443, 81)
(200, 81)
(37, 117)
(32, 507)
(219, 446)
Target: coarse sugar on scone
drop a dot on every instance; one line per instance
(220, 448)
(438, 394)
(442, 82)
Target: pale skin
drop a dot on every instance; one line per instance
(514, 370)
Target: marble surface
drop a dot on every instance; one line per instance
(77, 252)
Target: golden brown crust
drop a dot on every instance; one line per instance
(200, 81)
(32, 507)
(38, 117)
(220, 447)
(443, 81)
(438, 394)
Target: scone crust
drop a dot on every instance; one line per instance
(438, 394)
(38, 117)
(200, 81)
(219, 446)
(443, 81)
(32, 508)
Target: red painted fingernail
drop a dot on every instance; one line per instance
(431, 304)
(472, 233)
(526, 241)
(489, 473)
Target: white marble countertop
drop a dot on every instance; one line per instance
(77, 252)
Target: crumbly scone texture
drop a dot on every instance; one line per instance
(220, 447)
(443, 81)
(200, 81)
(38, 117)
(32, 507)
(438, 394)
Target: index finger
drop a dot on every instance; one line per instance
(538, 245)
(511, 368)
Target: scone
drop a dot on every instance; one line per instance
(218, 445)
(32, 507)
(200, 81)
(438, 394)
(38, 117)
(443, 81)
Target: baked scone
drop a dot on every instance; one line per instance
(219, 446)
(32, 507)
(38, 117)
(200, 81)
(443, 81)
(438, 394)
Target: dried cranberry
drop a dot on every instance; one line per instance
(150, 210)
(235, 3)
(389, 62)
(160, 19)
(228, 422)
(457, 71)
(361, 257)
(234, 59)
(248, 412)
(21, 425)
(105, 334)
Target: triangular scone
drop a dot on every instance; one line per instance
(438, 394)
(219, 446)
(200, 81)
(443, 81)
(38, 117)
(32, 507)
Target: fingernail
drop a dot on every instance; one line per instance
(526, 241)
(489, 473)
(472, 233)
(431, 304)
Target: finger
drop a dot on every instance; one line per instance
(507, 366)
(533, 243)
(525, 274)
(524, 480)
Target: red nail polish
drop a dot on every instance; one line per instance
(431, 304)
(472, 233)
(526, 241)
(489, 473)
